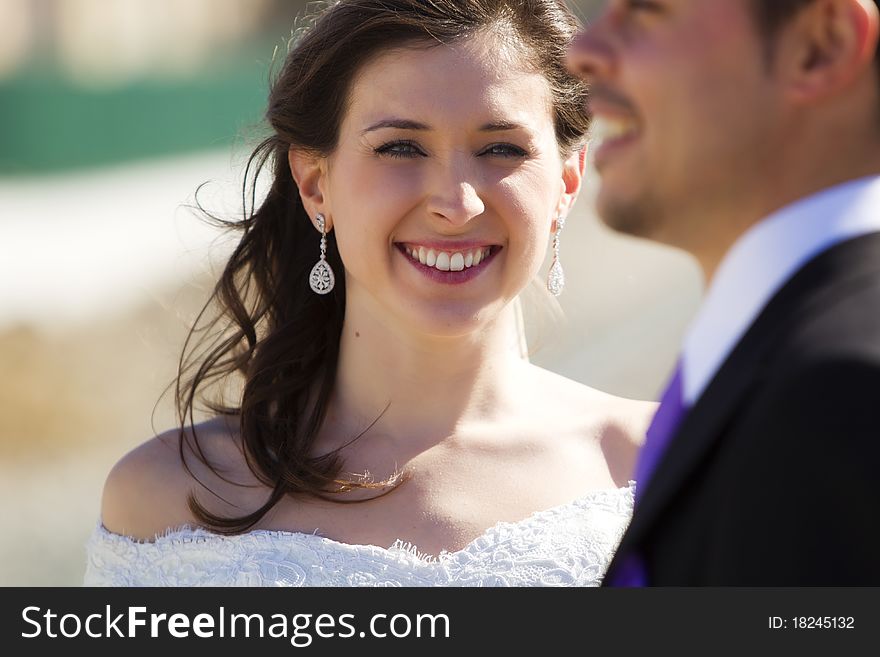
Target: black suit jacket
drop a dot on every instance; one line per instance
(773, 477)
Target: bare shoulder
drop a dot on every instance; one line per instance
(628, 417)
(600, 431)
(591, 411)
(144, 492)
(147, 491)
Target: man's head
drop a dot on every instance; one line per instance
(773, 15)
(709, 114)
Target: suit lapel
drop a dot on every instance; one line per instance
(829, 273)
(703, 423)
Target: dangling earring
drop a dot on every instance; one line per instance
(556, 277)
(322, 279)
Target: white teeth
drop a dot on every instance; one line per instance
(446, 260)
(442, 261)
(605, 129)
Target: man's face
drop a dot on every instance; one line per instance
(686, 114)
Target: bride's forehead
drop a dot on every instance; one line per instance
(473, 58)
(445, 79)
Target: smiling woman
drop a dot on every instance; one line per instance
(470, 169)
(423, 155)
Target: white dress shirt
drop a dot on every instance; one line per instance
(761, 261)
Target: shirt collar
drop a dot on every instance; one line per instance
(759, 264)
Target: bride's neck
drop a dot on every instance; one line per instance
(423, 382)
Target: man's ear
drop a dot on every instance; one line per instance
(309, 174)
(572, 177)
(828, 46)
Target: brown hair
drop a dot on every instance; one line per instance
(275, 335)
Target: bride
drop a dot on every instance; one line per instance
(388, 428)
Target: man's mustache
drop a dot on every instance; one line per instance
(606, 96)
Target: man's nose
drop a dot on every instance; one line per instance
(590, 56)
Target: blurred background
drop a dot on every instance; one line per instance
(112, 113)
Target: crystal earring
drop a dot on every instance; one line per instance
(322, 280)
(556, 277)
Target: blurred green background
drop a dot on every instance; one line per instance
(86, 82)
(93, 82)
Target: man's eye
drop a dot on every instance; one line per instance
(406, 149)
(504, 150)
(643, 5)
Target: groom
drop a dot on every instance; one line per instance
(747, 132)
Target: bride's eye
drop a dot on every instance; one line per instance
(401, 148)
(504, 150)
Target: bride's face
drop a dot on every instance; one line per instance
(444, 184)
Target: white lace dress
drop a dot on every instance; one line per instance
(568, 545)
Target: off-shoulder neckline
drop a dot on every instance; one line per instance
(188, 534)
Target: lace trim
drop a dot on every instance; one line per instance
(185, 534)
(567, 545)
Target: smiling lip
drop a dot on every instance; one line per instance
(614, 128)
(609, 148)
(450, 277)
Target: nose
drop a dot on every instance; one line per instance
(455, 199)
(590, 55)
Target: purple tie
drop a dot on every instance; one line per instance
(631, 570)
(663, 426)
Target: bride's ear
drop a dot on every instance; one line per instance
(310, 175)
(572, 178)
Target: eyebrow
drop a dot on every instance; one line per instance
(500, 126)
(401, 124)
(406, 124)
